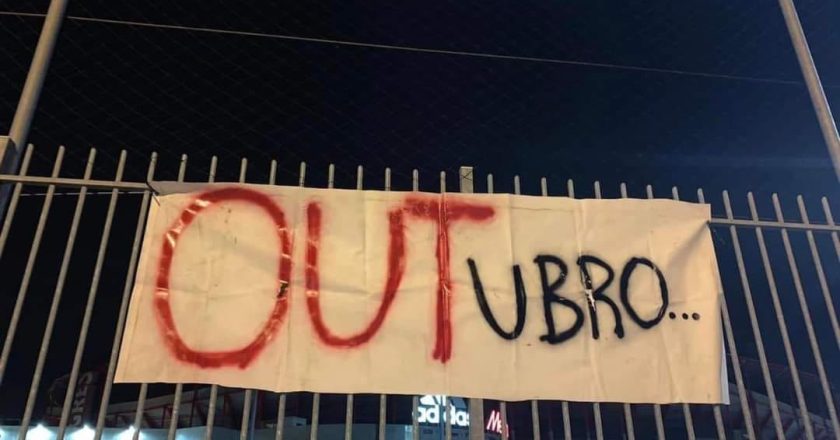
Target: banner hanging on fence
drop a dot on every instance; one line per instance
(495, 296)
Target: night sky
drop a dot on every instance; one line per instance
(693, 94)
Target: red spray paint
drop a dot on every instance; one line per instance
(444, 213)
(396, 268)
(438, 209)
(243, 356)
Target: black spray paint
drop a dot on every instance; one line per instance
(521, 302)
(551, 297)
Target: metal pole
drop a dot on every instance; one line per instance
(812, 80)
(11, 147)
(10, 151)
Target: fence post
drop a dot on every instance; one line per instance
(812, 80)
(11, 147)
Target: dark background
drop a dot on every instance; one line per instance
(693, 94)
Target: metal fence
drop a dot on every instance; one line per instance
(70, 243)
(71, 235)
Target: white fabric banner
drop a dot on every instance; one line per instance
(496, 296)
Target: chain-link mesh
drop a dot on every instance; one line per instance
(723, 91)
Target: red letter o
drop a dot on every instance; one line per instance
(243, 356)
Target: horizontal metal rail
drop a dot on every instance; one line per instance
(774, 224)
(141, 186)
(780, 414)
(68, 182)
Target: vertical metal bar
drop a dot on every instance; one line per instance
(567, 420)
(503, 416)
(30, 264)
(721, 431)
(247, 404)
(657, 409)
(829, 218)
(348, 410)
(138, 412)
(383, 399)
(628, 421)
(25, 111)
(281, 397)
(535, 419)
(179, 388)
(415, 400)
(211, 412)
(415, 425)
(815, 256)
(248, 398)
(466, 178)
(192, 406)
(127, 286)
(272, 172)
(535, 409)
(447, 402)
(806, 314)
(628, 411)
(302, 174)
(11, 147)
(7, 222)
(596, 407)
(745, 285)
(736, 361)
(182, 168)
(348, 418)
(316, 407)
(689, 422)
(56, 300)
(243, 169)
(383, 407)
(447, 423)
(502, 403)
(564, 405)
(812, 80)
(214, 162)
(91, 298)
(176, 409)
(214, 389)
(316, 398)
(780, 319)
(281, 417)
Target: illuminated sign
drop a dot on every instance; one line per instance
(431, 406)
(495, 422)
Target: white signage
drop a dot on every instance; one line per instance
(494, 296)
(431, 407)
(496, 424)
